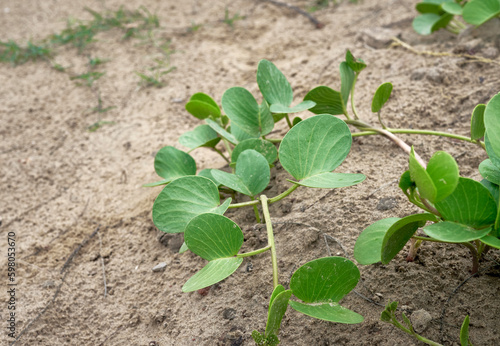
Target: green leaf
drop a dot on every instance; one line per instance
(452, 8)
(357, 65)
(277, 290)
(492, 122)
(464, 332)
(405, 183)
(321, 284)
(324, 280)
(182, 200)
(332, 312)
(328, 101)
(491, 241)
(400, 232)
(452, 232)
(316, 145)
(381, 96)
(443, 22)
(296, 120)
(265, 148)
(470, 204)
(489, 171)
(266, 119)
(428, 7)
(346, 81)
(243, 110)
(213, 236)
(201, 136)
(273, 84)
(183, 248)
(493, 189)
(215, 271)
(477, 12)
(367, 249)
(491, 153)
(207, 173)
(278, 116)
(426, 23)
(303, 106)
(419, 175)
(477, 122)
(252, 174)
(217, 128)
(202, 106)
(277, 309)
(157, 183)
(330, 180)
(172, 163)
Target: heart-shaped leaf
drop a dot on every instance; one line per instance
(346, 81)
(202, 106)
(400, 232)
(183, 199)
(330, 180)
(277, 308)
(470, 204)
(477, 12)
(265, 148)
(221, 131)
(320, 284)
(367, 249)
(492, 124)
(252, 174)
(244, 112)
(217, 239)
(328, 101)
(172, 163)
(357, 65)
(381, 96)
(316, 145)
(273, 84)
(452, 232)
(489, 171)
(303, 106)
(477, 122)
(201, 136)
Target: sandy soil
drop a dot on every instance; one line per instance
(59, 182)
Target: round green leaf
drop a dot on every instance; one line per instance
(419, 175)
(495, 159)
(405, 183)
(367, 249)
(202, 106)
(316, 145)
(477, 12)
(215, 271)
(346, 81)
(452, 232)
(470, 204)
(266, 119)
(424, 23)
(452, 8)
(330, 180)
(273, 84)
(489, 171)
(491, 241)
(381, 96)
(324, 280)
(201, 136)
(492, 122)
(252, 174)
(225, 134)
(207, 173)
(357, 65)
(182, 200)
(296, 120)
(303, 106)
(172, 163)
(213, 236)
(277, 309)
(493, 189)
(265, 148)
(477, 122)
(332, 312)
(328, 101)
(443, 170)
(240, 106)
(428, 7)
(400, 232)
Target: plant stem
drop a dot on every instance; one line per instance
(270, 238)
(475, 257)
(288, 121)
(221, 154)
(256, 211)
(271, 200)
(228, 147)
(255, 252)
(396, 323)
(353, 107)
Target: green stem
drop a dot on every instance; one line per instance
(396, 323)
(271, 200)
(255, 252)
(270, 238)
(353, 107)
(274, 140)
(288, 121)
(475, 256)
(228, 147)
(221, 154)
(256, 211)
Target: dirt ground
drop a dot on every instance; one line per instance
(59, 182)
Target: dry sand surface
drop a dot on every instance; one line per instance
(59, 182)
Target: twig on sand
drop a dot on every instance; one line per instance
(103, 267)
(311, 18)
(82, 244)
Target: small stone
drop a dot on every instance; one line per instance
(435, 75)
(420, 320)
(160, 267)
(49, 284)
(490, 53)
(229, 314)
(172, 241)
(387, 203)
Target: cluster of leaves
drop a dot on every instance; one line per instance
(439, 14)
(460, 210)
(191, 204)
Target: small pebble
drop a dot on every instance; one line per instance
(387, 203)
(160, 267)
(420, 320)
